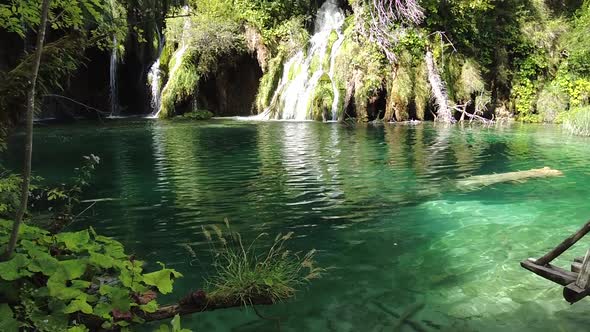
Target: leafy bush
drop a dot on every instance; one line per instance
(551, 102)
(76, 278)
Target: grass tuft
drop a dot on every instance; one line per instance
(244, 273)
(578, 121)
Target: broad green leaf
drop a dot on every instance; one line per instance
(75, 241)
(119, 297)
(73, 269)
(103, 310)
(15, 268)
(78, 328)
(79, 304)
(100, 260)
(7, 321)
(162, 279)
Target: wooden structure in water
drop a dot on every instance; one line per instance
(576, 280)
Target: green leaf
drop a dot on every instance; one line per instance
(7, 321)
(15, 268)
(100, 260)
(78, 328)
(73, 269)
(79, 304)
(150, 307)
(176, 325)
(75, 241)
(162, 279)
(119, 297)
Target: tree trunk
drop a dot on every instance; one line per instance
(438, 90)
(29, 128)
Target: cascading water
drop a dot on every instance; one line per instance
(302, 73)
(113, 80)
(155, 78)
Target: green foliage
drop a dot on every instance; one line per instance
(322, 99)
(243, 273)
(182, 82)
(269, 82)
(7, 321)
(552, 101)
(10, 185)
(577, 44)
(577, 121)
(59, 60)
(76, 273)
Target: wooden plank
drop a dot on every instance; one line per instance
(576, 267)
(553, 273)
(583, 280)
(565, 245)
(573, 293)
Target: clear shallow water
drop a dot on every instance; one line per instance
(352, 193)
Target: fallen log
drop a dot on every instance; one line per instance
(478, 181)
(199, 302)
(194, 302)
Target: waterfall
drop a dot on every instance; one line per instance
(155, 79)
(302, 72)
(113, 80)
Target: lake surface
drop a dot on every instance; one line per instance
(354, 193)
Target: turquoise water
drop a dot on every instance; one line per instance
(354, 193)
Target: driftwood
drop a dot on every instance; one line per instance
(439, 91)
(577, 282)
(478, 181)
(564, 245)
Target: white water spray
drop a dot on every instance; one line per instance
(113, 98)
(293, 95)
(155, 79)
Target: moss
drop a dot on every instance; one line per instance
(269, 82)
(183, 82)
(196, 115)
(314, 64)
(399, 94)
(323, 97)
(421, 90)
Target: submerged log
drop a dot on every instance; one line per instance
(478, 181)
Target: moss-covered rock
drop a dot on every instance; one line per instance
(196, 115)
(269, 82)
(323, 97)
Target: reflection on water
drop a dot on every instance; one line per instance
(363, 196)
